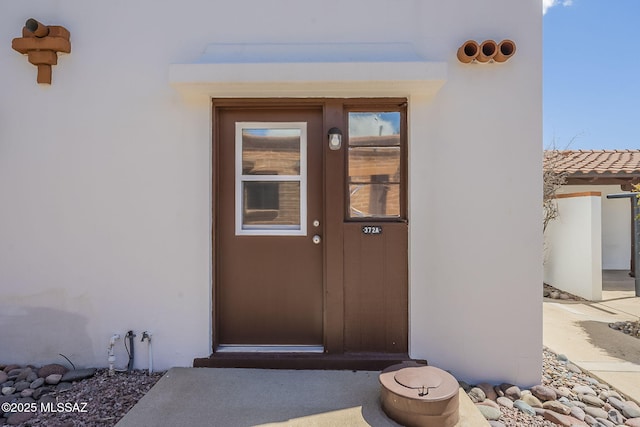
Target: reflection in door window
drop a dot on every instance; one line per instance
(270, 178)
(374, 165)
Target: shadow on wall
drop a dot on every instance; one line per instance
(614, 343)
(37, 335)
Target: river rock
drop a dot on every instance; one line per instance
(493, 423)
(53, 368)
(543, 393)
(616, 403)
(41, 391)
(563, 420)
(513, 392)
(596, 412)
(53, 379)
(3, 377)
(524, 407)
(531, 400)
(489, 402)
(592, 400)
(477, 395)
(605, 423)
(573, 368)
(489, 412)
(563, 391)
(8, 390)
(39, 382)
(630, 409)
(577, 412)
(632, 422)
(21, 385)
(615, 416)
(584, 389)
(504, 401)
(489, 392)
(24, 374)
(554, 405)
(27, 392)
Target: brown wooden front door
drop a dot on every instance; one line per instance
(268, 226)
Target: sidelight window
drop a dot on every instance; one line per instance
(375, 165)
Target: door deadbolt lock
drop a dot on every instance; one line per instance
(316, 239)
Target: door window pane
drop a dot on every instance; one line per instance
(375, 165)
(268, 203)
(271, 181)
(271, 151)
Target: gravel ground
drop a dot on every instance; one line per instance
(107, 398)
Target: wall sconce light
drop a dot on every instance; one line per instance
(335, 138)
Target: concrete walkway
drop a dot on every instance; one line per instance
(261, 397)
(580, 330)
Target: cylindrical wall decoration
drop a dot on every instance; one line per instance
(468, 51)
(487, 51)
(506, 49)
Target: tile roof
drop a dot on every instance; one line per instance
(619, 163)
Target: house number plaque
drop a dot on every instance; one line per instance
(371, 229)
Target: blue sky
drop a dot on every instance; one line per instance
(591, 74)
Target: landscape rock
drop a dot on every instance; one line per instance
(563, 420)
(555, 406)
(489, 392)
(524, 407)
(39, 382)
(489, 412)
(616, 403)
(584, 389)
(543, 393)
(632, 422)
(577, 412)
(531, 400)
(592, 400)
(52, 368)
(596, 412)
(605, 423)
(53, 379)
(476, 395)
(630, 409)
(78, 374)
(615, 416)
(21, 385)
(3, 377)
(505, 401)
(513, 392)
(8, 390)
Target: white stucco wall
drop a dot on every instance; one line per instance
(106, 191)
(573, 246)
(616, 225)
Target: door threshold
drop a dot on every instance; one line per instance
(262, 360)
(270, 349)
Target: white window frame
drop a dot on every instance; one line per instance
(240, 178)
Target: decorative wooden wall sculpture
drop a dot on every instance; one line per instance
(42, 43)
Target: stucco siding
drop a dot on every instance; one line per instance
(105, 178)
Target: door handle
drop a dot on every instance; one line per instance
(316, 239)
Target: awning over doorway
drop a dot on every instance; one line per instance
(321, 69)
